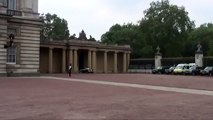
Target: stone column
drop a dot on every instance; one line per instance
(105, 62)
(50, 60)
(3, 9)
(124, 62)
(94, 59)
(75, 60)
(35, 6)
(70, 57)
(27, 5)
(64, 61)
(3, 41)
(128, 59)
(89, 59)
(115, 62)
(199, 59)
(1, 2)
(158, 57)
(199, 56)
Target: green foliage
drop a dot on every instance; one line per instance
(210, 52)
(164, 24)
(203, 35)
(167, 26)
(54, 28)
(147, 51)
(125, 34)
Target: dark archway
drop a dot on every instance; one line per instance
(82, 59)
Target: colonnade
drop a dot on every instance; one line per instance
(92, 60)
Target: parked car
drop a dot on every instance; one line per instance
(86, 70)
(170, 70)
(207, 71)
(160, 70)
(179, 69)
(187, 68)
(195, 70)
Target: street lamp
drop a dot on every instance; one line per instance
(10, 43)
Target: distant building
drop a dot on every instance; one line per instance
(23, 53)
(55, 56)
(20, 18)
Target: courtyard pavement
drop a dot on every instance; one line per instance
(106, 96)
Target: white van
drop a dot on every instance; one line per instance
(179, 69)
(186, 69)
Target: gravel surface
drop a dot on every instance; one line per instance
(192, 82)
(49, 99)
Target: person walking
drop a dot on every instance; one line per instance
(70, 70)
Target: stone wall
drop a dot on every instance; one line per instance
(3, 39)
(27, 41)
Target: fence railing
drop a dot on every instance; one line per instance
(149, 63)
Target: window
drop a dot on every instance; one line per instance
(11, 55)
(12, 4)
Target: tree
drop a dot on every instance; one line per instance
(166, 25)
(54, 28)
(210, 51)
(125, 34)
(203, 35)
(113, 35)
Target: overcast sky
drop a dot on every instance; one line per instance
(97, 16)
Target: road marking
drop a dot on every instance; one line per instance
(150, 87)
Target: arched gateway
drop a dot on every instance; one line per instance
(56, 55)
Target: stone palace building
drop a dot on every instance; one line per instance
(21, 19)
(23, 53)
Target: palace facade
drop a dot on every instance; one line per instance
(19, 55)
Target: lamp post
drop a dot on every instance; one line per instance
(10, 43)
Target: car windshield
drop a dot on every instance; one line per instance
(192, 64)
(186, 67)
(179, 67)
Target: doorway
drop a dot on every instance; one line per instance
(82, 59)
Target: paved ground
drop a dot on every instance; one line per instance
(193, 82)
(57, 98)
